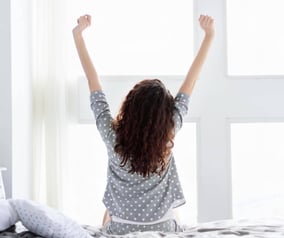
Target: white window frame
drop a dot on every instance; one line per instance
(222, 100)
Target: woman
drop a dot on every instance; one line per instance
(143, 186)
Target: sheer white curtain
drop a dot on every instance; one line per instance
(49, 103)
(56, 69)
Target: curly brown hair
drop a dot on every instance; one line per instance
(145, 128)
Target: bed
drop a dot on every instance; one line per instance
(264, 228)
(47, 217)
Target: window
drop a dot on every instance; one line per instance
(135, 37)
(255, 37)
(185, 156)
(85, 176)
(257, 169)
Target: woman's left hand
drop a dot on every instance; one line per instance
(83, 23)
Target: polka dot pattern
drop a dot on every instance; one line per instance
(181, 109)
(122, 228)
(131, 196)
(45, 221)
(103, 116)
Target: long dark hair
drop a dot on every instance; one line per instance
(145, 128)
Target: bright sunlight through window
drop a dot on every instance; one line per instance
(257, 169)
(255, 37)
(136, 37)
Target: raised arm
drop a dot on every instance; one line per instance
(89, 69)
(207, 24)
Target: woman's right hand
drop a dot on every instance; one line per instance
(83, 23)
(207, 24)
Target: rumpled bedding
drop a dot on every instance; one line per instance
(264, 228)
(39, 221)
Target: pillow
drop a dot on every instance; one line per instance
(45, 221)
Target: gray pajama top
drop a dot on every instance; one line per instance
(132, 198)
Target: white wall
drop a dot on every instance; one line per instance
(15, 96)
(21, 42)
(5, 95)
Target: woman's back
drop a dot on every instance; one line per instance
(132, 198)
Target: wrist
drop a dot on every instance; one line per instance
(77, 34)
(209, 35)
